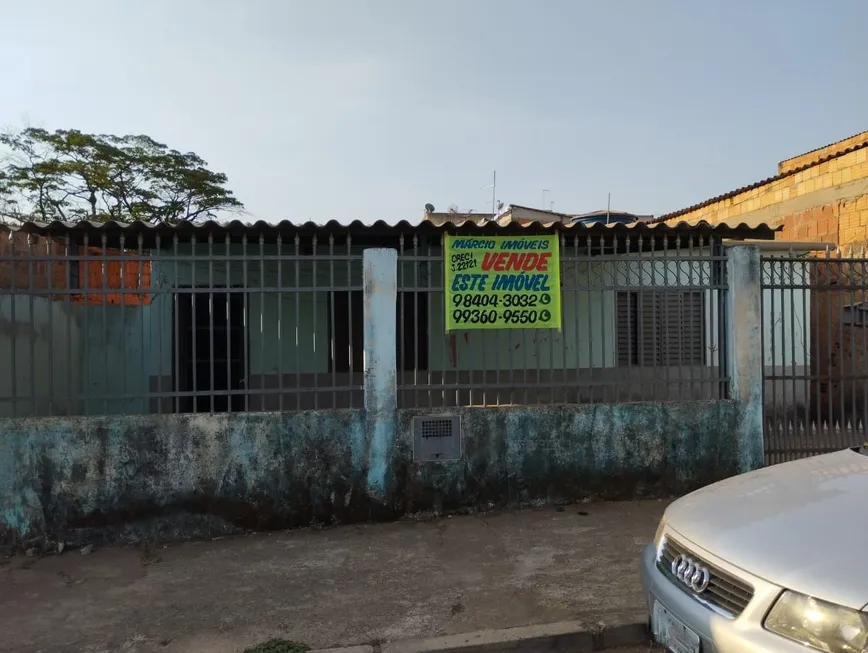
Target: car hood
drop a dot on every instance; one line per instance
(802, 525)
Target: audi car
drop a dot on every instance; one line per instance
(772, 560)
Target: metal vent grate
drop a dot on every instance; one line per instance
(436, 438)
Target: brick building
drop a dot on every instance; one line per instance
(819, 196)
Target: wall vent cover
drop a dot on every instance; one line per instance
(436, 437)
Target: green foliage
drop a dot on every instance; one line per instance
(69, 175)
(278, 646)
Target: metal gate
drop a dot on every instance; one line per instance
(815, 352)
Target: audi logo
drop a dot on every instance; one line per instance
(691, 573)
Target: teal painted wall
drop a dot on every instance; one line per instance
(134, 476)
(614, 451)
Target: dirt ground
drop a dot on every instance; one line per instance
(332, 587)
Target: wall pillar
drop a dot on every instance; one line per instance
(380, 283)
(744, 317)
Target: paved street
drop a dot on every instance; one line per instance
(339, 586)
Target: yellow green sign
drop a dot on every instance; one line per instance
(503, 282)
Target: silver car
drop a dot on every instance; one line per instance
(773, 560)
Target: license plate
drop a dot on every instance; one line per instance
(671, 632)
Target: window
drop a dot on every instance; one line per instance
(660, 328)
(411, 334)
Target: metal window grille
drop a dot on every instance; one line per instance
(98, 322)
(668, 329)
(675, 283)
(815, 353)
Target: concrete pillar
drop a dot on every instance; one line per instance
(744, 317)
(380, 279)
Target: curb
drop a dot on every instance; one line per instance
(572, 636)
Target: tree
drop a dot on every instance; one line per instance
(69, 175)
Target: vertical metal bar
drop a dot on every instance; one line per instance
(792, 418)
(497, 337)
(139, 304)
(863, 357)
(829, 371)
(332, 350)
(429, 280)
(806, 355)
(212, 387)
(245, 346)
(315, 296)
(402, 309)
(664, 320)
(693, 283)
(604, 263)
(297, 324)
(31, 290)
(280, 323)
(194, 300)
(350, 292)
(774, 430)
(416, 325)
(67, 300)
(581, 385)
(617, 381)
(84, 271)
(552, 332)
(852, 412)
(444, 334)
(176, 344)
(228, 296)
(263, 385)
(641, 316)
(122, 300)
(159, 319)
(49, 271)
(588, 317)
(816, 349)
(13, 301)
(839, 306)
(105, 334)
(471, 368)
(684, 300)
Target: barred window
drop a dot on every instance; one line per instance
(660, 328)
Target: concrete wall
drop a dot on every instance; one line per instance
(180, 471)
(133, 476)
(616, 451)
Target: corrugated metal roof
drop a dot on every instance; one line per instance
(469, 226)
(738, 191)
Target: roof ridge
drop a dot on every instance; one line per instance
(823, 147)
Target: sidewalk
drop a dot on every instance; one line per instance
(340, 586)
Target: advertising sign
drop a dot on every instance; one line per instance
(503, 282)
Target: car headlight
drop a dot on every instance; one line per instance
(658, 536)
(818, 624)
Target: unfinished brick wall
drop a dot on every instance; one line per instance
(26, 272)
(843, 169)
(819, 224)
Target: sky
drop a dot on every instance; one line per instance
(369, 109)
